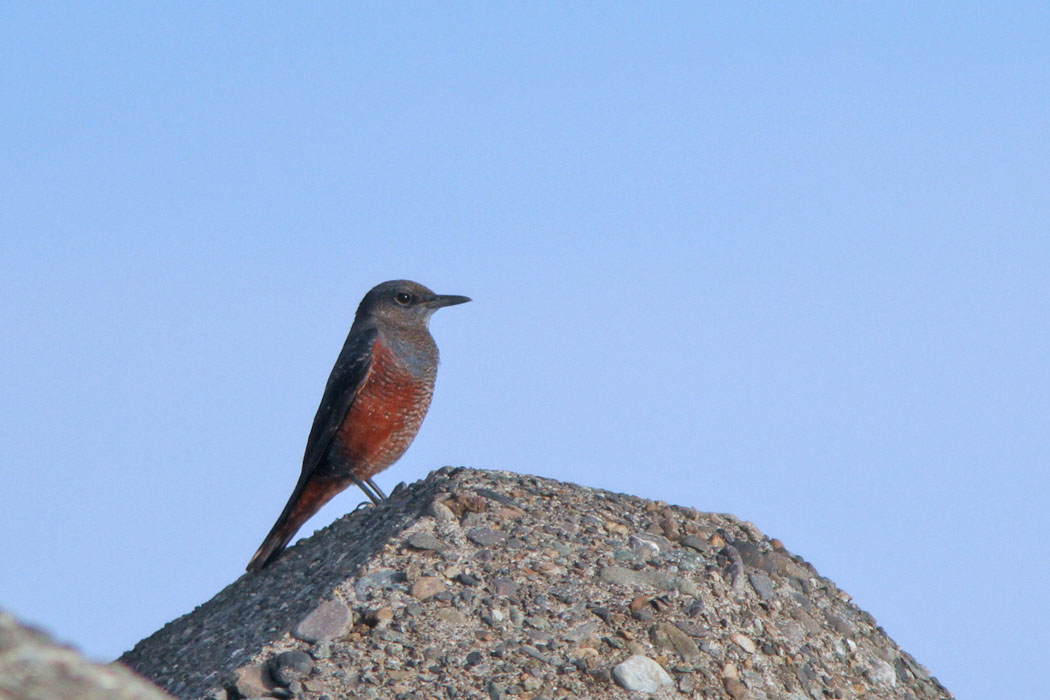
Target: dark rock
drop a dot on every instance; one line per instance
(839, 624)
(378, 580)
(505, 587)
(424, 540)
(468, 579)
(762, 585)
(290, 666)
(694, 542)
(485, 536)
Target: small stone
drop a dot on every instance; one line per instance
(667, 636)
(485, 536)
(839, 624)
(290, 666)
(468, 579)
(382, 579)
(730, 671)
(882, 673)
(427, 587)
(380, 618)
(639, 603)
(451, 615)
(329, 620)
(743, 642)
(694, 542)
(581, 632)
(440, 512)
(252, 681)
(687, 587)
(644, 615)
(424, 540)
(735, 688)
(762, 585)
(658, 543)
(691, 628)
(535, 653)
(643, 550)
(505, 587)
(641, 673)
(686, 683)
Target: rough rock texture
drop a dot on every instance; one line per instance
(492, 585)
(33, 667)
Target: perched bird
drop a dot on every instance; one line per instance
(373, 404)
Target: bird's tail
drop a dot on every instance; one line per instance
(310, 494)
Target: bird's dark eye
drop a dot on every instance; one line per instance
(403, 298)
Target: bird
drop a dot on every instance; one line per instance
(373, 404)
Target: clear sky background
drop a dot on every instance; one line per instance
(788, 262)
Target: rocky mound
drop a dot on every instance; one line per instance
(491, 585)
(34, 667)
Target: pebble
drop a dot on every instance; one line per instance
(427, 587)
(505, 587)
(882, 673)
(659, 543)
(643, 549)
(382, 579)
(735, 688)
(451, 615)
(743, 642)
(485, 536)
(329, 620)
(251, 682)
(691, 628)
(839, 624)
(641, 673)
(762, 585)
(581, 632)
(440, 512)
(424, 540)
(468, 579)
(290, 666)
(665, 636)
(380, 618)
(694, 542)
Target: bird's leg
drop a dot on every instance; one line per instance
(368, 492)
(375, 488)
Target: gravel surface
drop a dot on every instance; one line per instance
(498, 586)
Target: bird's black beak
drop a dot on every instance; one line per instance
(441, 300)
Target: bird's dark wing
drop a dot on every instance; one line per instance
(348, 376)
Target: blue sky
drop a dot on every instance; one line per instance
(784, 262)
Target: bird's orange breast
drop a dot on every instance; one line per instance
(385, 416)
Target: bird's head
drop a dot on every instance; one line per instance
(404, 303)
